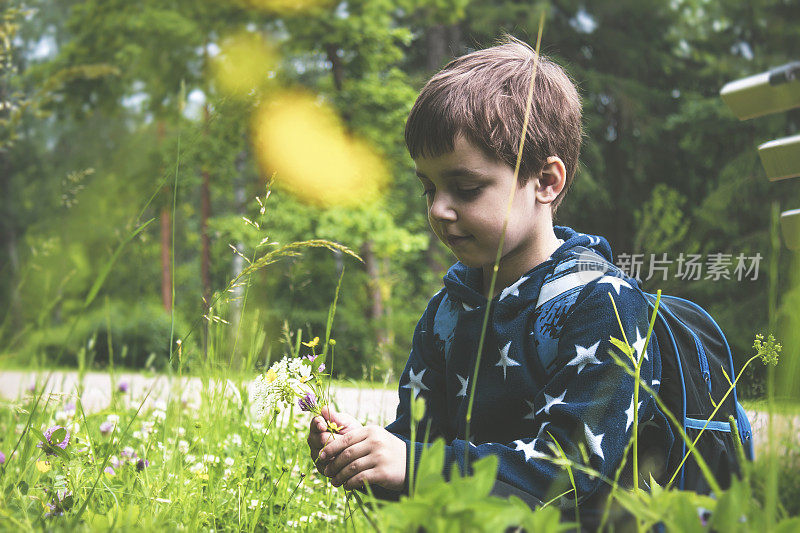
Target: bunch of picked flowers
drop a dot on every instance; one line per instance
(290, 380)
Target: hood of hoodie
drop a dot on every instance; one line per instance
(463, 283)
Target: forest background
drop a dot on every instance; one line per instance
(115, 112)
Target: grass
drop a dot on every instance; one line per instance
(780, 406)
(209, 465)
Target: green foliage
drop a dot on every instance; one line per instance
(137, 334)
(463, 503)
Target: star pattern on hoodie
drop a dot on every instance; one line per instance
(528, 448)
(513, 289)
(615, 282)
(595, 442)
(415, 381)
(629, 414)
(464, 385)
(550, 401)
(505, 361)
(532, 414)
(638, 345)
(585, 356)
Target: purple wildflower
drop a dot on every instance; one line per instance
(2, 458)
(307, 402)
(31, 388)
(141, 464)
(110, 471)
(123, 387)
(321, 368)
(48, 435)
(106, 427)
(128, 453)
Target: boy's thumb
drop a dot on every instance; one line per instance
(328, 413)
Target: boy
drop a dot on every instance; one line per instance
(545, 375)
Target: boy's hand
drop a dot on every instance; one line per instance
(319, 436)
(367, 454)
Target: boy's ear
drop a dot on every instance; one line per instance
(551, 180)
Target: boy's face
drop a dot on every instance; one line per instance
(468, 193)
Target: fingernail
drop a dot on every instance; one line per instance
(322, 455)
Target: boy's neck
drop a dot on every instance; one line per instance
(512, 267)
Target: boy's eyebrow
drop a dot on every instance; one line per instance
(457, 172)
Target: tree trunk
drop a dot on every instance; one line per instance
(166, 237)
(436, 40)
(375, 311)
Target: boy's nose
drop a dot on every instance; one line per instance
(441, 209)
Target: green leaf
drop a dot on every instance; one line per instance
(623, 347)
(735, 509)
(485, 473)
(58, 436)
(38, 434)
(724, 373)
(23, 487)
(431, 463)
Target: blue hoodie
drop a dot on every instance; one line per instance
(545, 375)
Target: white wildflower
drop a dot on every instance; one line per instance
(198, 468)
(229, 461)
(183, 447)
(113, 418)
(180, 431)
(278, 387)
(190, 458)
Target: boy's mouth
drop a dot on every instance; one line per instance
(455, 240)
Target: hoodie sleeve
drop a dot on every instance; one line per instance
(424, 371)
(586, 406)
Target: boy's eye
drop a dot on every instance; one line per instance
(469, 192)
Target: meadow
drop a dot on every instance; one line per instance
(192, 191)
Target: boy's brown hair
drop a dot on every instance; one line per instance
(482, 95)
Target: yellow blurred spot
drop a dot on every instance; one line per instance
(303, 141)
(271, 376)
(43, 466)
(312, 343)
(285, 6)
(243, 64)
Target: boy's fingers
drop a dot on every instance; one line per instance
(338, 444)
(369, 475)
(346, 458)
(353, 470)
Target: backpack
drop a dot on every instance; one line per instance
(695, 358)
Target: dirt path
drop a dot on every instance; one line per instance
(375, 406)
